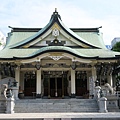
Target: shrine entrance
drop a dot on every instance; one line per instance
(56, 87)
(55, 84)
(81, 83)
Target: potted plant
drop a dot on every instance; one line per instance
(21, 93)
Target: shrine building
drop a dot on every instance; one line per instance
(57, 61)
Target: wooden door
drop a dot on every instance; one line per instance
(29, 84)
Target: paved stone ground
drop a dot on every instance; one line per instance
(61, 116)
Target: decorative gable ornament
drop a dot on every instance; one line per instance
(55, 32)
(55, 57)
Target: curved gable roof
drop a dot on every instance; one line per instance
(55, 18)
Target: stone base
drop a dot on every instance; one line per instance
(9, 112)
(103, 111)
(73, 95)
(38, 95)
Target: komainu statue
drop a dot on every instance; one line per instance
(110, 90)
(3, 97)
(3, 90)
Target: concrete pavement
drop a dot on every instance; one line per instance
(63, 116)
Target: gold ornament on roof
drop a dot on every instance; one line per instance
(55, 25)
(55, 32)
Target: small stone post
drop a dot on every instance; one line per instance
(10, 104)
(97, 92)
(103, 105)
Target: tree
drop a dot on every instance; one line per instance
(116, 47)
(118, 83)
(2, 40)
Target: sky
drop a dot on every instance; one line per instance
(74, 14)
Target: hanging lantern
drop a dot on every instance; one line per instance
(73, 66)
(38, 65)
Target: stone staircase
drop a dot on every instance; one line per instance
(55, 105)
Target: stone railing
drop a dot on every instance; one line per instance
(118, 97)
(3, 98)
(6, 100)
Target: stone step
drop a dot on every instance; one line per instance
(55, 105)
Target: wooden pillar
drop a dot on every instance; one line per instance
(73, 83)
(17, 78)
(17, 75)
(56, 91)
(38, 84)
(94, 76)
(48, 86)
(62, 86)
(109, 77)
(93, 79)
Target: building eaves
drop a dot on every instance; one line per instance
(17, 29)
(16, 54)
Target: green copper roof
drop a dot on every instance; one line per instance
(54, 19)
(88, 41)
(60, 48)
(18, 37)
(93, 39)
(31, 37)
(30, 53)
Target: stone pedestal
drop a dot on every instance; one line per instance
(2, 105)
(10, 105)
(103, 105)
(112, 103)
(73, 95)
(15, 92)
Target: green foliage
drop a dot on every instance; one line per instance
(117, 83)
(116, 47)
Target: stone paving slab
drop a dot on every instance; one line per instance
(61, 116)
